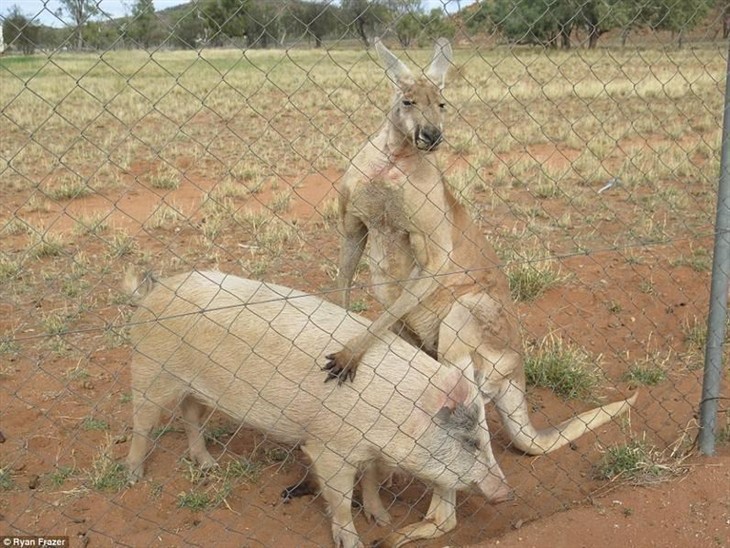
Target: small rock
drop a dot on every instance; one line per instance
(34, 481)
(517, 524)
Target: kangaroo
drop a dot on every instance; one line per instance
(431, 267)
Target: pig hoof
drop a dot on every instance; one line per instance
(301, 489)
(346, 538)
(381, 518)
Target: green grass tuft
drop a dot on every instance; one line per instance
(645, 374)
(568, 371)
(630, 461)
(90, 423)
(6, 479)
(69, 190)
(106, 474)
(530, 278)
(60, 475)
(194, 500)
(9, 269)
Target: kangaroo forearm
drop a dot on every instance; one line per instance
(351, 250)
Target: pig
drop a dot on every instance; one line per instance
(255, 352)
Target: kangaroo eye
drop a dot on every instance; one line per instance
(442, 105)
(407, 103)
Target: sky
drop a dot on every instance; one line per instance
(44, 10)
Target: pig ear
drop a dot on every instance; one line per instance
(444, 415)
(440, 63)
(399, 74)
(456, 390)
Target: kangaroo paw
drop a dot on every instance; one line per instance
(341, 366)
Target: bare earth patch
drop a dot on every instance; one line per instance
(182, 186)
(693, 510)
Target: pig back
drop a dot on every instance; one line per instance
(255, 352)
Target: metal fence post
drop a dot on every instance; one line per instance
(719, 292)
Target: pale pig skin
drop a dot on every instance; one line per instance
(254, 351)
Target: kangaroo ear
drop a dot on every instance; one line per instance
(398, 73)
(442, 60)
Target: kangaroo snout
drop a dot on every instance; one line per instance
(428, 137)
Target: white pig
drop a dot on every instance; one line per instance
(255, 351)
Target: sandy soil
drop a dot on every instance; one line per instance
(54, 451)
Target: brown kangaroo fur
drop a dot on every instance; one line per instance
(431, 267)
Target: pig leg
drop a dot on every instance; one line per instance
(336, 480)
(440, 519)
(146, 416)
(371, 502)
(192, 413)
(302, 488)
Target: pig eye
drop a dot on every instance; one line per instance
(408, 103)
(472, 444)
(442, 106)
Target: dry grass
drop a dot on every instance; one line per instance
(90, 144)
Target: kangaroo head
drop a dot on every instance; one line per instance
(418, 109)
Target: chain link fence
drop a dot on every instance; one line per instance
(582, 138)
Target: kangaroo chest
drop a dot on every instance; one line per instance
(381, 205)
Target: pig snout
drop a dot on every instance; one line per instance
(496, 490)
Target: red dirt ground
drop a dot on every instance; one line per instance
(560, 503)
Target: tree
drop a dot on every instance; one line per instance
(225, 18)
(679, 17)
(407, 28)
(724, 11)
(364, 16)
(264, 24)
(532, 21)
(601, 16)
(101, 35)
(407, 19)
(189, 29)
(313, 19)
(80, 12)
(20, 32)
(143, 27)
(436, 25)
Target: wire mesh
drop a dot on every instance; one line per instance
(582, 139)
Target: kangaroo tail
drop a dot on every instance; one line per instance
(512, 406)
